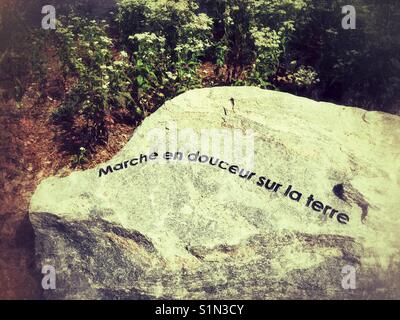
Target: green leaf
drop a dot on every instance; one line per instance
(140, 80)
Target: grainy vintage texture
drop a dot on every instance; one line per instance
(190, 230)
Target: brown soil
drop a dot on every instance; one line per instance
(31, 149)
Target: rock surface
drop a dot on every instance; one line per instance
(188, 230)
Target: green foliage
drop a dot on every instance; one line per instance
(193, 41)
(255, 35)
(81, 158)
(154, 50)
(355, 67)
(150, 61)
(102, 73)
(305, 76)
(167, 40)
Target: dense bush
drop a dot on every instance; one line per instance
(245, 39)
(255, 35)
(103, 75)
(167, 40)
(357, 67)
(155, 49)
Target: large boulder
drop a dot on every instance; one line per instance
(142, 227)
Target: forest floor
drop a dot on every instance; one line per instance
(32, 148)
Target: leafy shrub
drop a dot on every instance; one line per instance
(150, 61)
(255, 35)
(355, 67)
(305, 76)
(167, 40)
(268, 51)
(102, 74)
